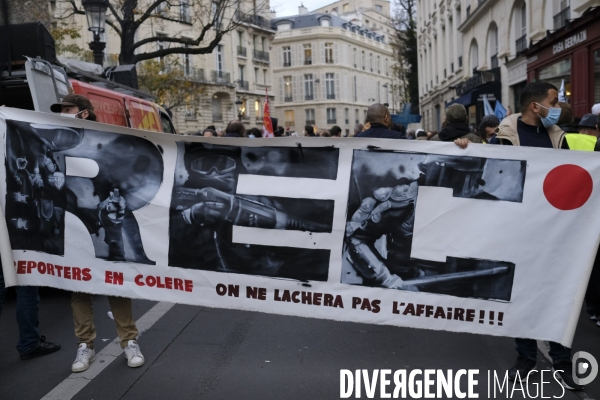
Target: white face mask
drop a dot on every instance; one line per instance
(71, 115)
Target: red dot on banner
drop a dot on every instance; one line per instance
(568, 187)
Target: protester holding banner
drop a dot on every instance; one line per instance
(82, 303)
(31, 344)
(487, 128)
(536, 126)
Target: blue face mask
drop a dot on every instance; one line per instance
(552, 117)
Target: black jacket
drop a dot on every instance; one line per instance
(456, 130)
(378, 130)
(231, 134)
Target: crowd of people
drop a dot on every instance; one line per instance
(543, 122)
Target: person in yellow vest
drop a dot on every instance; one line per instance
(573, 135)
(587, 138)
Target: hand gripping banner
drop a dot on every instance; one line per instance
(491, 240)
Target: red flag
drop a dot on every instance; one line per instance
(267, 124)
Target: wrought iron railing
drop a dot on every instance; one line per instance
(261, 55)
(562, 17)
(241, 51)
(244, 85)
(220, 77)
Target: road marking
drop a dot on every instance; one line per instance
(68, 388)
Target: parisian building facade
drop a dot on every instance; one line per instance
(239, 68)
(469, 49)
(332, 63)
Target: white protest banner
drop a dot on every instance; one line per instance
(491, 240)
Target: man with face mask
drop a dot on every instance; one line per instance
(110, 213)
(536, 125)
(75, 106)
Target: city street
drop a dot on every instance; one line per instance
(203, 353)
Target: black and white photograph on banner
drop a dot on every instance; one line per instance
(381, 219)
(128, 173)
(205, 207)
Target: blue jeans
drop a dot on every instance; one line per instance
(528, 349)
(28, 301)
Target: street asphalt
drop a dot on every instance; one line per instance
(203, 353)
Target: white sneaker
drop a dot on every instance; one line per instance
(134, 354)
(84, 357)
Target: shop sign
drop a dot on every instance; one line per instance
(569, 42)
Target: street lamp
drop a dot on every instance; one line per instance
(238, 105)
(95, 12)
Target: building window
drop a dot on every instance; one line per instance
(354, 57)
(287, 56)
(308, 87)
(328, 53)
(256, 74)
(378, 8)
(378, 65)
(330, 86)
(563, 15)
(220, 67)
(371, 61)
(521, 28)
(556, 73)
(307, 54)
(331, 116)
(493, 46)
(287, 87)
(346, 116)
(187, 68)
(289, 118)
(356, 114)
(184, 14)
(265, 77)
(362, 61)
(355, 92)
(310, 116)
(346, 8)
(474, 56)
(257, 115)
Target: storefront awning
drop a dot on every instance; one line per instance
(491, 89)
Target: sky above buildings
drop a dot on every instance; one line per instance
(290, 7)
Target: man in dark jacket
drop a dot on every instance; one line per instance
(380, 120)
(457, 126)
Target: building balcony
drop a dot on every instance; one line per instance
(195, 74)
(332, 120)
(260, 55)
(217, 117)
(221, 77)
(347, 121)
(309, 97)
(330, 96)
(243, 85)
(310, 122)
(287, 63)
(257, 20)
(241, 51)
(521, 43)
(288, 99)
(561, 18)
(308, 61)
